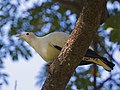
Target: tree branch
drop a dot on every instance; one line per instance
(118, 1)
(95, 43)
(15, 86)
(101, 85)
(109, 78)
(76, 46)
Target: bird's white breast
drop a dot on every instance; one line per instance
(45, 49)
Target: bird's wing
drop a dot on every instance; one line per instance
(57, 47)
(57, 39)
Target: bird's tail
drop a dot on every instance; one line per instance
(93, 57)
(102, 62)
(108, 63)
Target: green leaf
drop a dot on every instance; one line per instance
(114, 35)
(113, 21)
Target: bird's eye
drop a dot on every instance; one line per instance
(27, 33)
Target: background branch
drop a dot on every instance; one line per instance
(15, 86)
(95, 43)
(101, 85)
(109, 78)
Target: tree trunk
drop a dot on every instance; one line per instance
(76, 46)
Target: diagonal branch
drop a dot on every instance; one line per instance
(95, 43)
(76, 46)
(101, 85)
(109, 78)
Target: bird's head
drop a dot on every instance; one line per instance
(27, 36)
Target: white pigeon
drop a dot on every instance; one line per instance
(49, 46)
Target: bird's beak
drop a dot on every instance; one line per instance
(19, 35)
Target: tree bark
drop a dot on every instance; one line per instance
(62, 68)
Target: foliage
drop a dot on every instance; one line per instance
(3, 76)
(114, 37)
(49, 16)
(42, 76)
(80, 79)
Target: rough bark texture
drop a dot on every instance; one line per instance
(75, 48)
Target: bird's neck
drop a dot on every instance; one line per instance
(39, 45)
(34, 42)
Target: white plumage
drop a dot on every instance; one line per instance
(49, 46)
(45, 45)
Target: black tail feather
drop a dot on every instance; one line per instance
(110, 64)
(92, 54)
